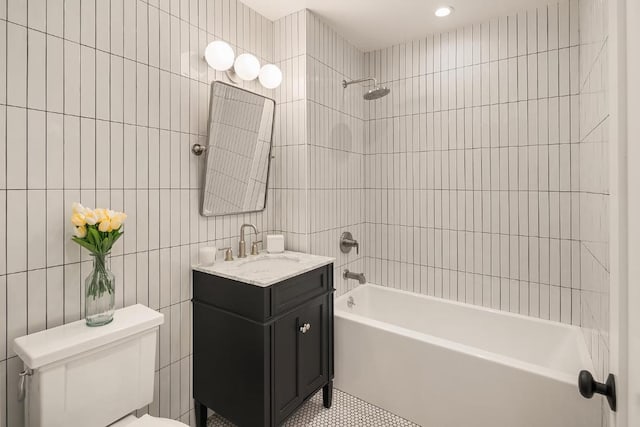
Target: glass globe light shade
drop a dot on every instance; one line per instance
(219, 55)
(270, 76)
(247, 66)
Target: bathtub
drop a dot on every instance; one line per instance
(441, 363)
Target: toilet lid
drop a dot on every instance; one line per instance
(149, 421)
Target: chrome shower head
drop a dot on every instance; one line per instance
(371, 94)
(376, 92)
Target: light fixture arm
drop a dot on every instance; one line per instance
(232, 76)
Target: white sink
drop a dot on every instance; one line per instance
(266, 269)
(268, 262)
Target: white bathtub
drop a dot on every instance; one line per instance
(440, 363)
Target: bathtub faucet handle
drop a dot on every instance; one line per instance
(347, 242)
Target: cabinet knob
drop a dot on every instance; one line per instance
(304, 328)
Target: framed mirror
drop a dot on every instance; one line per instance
(238, 152)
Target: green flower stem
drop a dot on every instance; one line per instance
(100, 280)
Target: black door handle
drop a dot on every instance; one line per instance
(588, 387)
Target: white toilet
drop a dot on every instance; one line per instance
(78, 376)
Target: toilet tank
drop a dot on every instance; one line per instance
(90, 376)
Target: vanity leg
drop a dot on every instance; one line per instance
(201, 414)
(327, 395)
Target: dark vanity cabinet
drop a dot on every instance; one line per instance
(260, 352)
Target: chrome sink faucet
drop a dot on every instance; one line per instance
(242, 245)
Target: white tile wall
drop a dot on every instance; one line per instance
(335, 131)
(471, 165)
(318, 140)
(99, 103)
(291, 152)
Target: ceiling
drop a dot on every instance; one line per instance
(373, 24)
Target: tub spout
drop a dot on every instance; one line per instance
(357, 276)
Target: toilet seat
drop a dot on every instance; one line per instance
(148, 421)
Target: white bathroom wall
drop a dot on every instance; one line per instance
(335, 129)
(291, 158)
(318, 140)
(471, 164)
(594, 182)
(100, 101)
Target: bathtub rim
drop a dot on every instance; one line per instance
(512, 362)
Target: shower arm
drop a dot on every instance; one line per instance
(347, 83)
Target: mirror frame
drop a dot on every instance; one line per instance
(203, 174)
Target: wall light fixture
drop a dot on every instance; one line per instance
(221, 57)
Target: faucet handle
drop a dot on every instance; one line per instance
(347, 242)
(228, 253)
(254, 247)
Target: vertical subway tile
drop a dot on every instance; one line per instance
(71, 78)
(3, 325)
(88, 81)
(16, 149)
(3, 232)
(37, 297)
(55, 151)
(55, 17)
(17, 11)
(55, 227)
(16, 64)
(117, 27)
(16, 308)
(3, 62)
(88, 22)
(36, 79)
(36, 229)
(117, 88)
(37, 14)
(72, 157)
(16, 226)
(55, 74)
(129, 29)
(72, 20)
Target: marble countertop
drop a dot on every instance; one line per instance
(265, 269)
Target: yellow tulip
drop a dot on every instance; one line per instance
(78, 219)
(78, 208)
(91, 217)
(117, 219)
(101, 214)
(81, 232)
(105, 226)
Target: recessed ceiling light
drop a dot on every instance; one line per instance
(441, 12)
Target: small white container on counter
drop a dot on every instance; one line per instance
(207, 255)
(275, 243)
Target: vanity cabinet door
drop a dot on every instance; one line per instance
(301, 340)
(314, 341)
(286, 340)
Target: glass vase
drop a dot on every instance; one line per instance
(99, 292)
